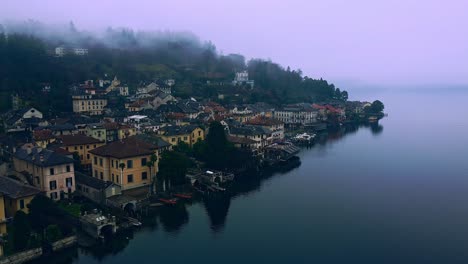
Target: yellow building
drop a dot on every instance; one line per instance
(15, 196)
(124, 162)
(89, 103)
(80, 144)
(3, 219)
(189, 134)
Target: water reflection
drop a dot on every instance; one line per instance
(172, 219)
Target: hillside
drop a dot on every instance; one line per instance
(28, 62)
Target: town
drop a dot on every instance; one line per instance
(118, 156)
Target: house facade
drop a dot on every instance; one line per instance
(189, 134)
(124, 162)
(89, 104)
(51, 172)
(81, 144)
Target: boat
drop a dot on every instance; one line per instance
(183, 195)
(303, 138)
(170, 201)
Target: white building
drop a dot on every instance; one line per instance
(297, 114)
(80, 51)
(60, 51)
(242, 78)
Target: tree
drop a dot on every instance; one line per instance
(173, 167)
(151, 163)
(21, 231)
(375, 108)
(122, 167)
(53, 233)
(344, 95)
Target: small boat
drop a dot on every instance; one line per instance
(183, 195)
(303, 138)
(170, 201)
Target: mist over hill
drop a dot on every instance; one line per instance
(136, 57)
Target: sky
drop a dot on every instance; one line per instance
(352, 42)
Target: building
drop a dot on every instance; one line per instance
(81, 144)
(22, 119)
(274, 125)
(242, 78)
(95, 189)
(16, 195)
(110, 131)
(262, 136)
(125, 162)
(62, 51)
(189, 134)
(51, 172)
(89, 104)
(298, 114)
(42, 138)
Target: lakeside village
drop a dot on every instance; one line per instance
(96, 169)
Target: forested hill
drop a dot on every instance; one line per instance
(27, 62)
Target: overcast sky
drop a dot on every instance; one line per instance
(393, 42)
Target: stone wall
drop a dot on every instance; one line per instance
(31, 254)
(22, 256)
(63, 243)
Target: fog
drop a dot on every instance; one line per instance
(396, 43)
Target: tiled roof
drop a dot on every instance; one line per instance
(241, 140)
(42, 157)
(72, 140)
(43, 134)
(129, 147)
(90, 181)
(15, 189)
(264, 121)
(178, 130)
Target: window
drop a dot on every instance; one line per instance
(130, 178)
(100, 162)
(53, 195)
(129, 164)
(113, 177)
(101, 175)
(87, 156)
(81, 157)
(199, 133)
(185, 138)
(87, 146)
(143, 162)
(69, 182)
(94, 146)
(144, 175)
(21, 204)
(95, 173)
(173, 139)
(68, 168)
(53, 185)
(51, 171)
(112, 163)
(95, 160)
(81, 147)
(76, 148)
(38, 181)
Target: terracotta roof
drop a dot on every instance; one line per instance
(42, 134)
(72, 140)
(15, 189)
(264, 121)
(129, 147)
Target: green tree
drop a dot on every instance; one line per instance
(151, 163)
(53, 233)
(375, 108)
(21, 231)
(173, 167)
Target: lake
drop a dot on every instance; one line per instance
(392, 193)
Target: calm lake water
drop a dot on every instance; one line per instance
(393, 193)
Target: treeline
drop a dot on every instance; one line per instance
(28, 61)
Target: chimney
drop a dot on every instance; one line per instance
(41, 158)
(28, 150)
